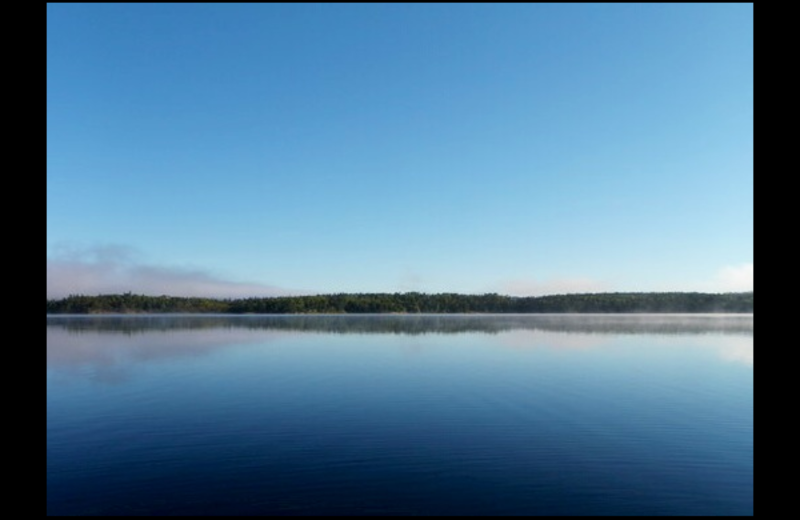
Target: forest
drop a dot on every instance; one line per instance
(411, 303)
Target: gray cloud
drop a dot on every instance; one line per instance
(119, 269)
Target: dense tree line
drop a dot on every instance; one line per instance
(410, 302)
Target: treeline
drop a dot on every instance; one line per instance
(410, 302)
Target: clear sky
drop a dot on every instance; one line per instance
(260, 149)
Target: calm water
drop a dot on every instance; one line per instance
(389, 415)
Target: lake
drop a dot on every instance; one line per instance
(400, 415)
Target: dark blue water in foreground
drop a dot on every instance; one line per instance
(390, 415)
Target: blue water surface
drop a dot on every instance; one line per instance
(400, 415)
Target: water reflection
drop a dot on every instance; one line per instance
(109, 345)
(106, 349)
(419, 324)
(425, 415)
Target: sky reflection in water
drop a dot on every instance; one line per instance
(400, 414)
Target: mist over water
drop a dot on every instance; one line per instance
(417, 323)
(358, 415)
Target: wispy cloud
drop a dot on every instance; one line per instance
(410, 280)
(729, 278)
(119, 269)
(533, 287)
(735, 278)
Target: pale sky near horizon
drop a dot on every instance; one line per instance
(262, 149)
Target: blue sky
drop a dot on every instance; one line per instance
(259, 149)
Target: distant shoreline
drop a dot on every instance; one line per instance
(411, 303)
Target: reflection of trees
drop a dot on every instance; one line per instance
(414, 324)
(412, 302)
